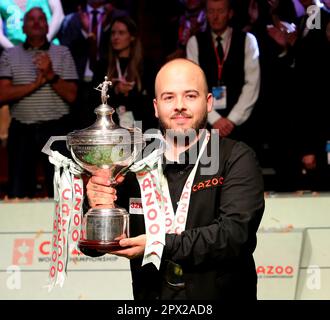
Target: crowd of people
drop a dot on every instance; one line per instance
(266, 64)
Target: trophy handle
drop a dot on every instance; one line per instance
(46, 149)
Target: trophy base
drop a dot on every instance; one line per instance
(101, 246)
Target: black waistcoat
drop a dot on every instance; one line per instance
(233, 70)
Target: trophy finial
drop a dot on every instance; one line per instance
(103, 87)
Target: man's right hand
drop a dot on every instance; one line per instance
(40, 80)
(225, 126)
(99, 191)
(309, 161)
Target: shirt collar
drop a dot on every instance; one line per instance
(225, 36)
(89, 9)
(45, 46)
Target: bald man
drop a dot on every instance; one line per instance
(210, 239)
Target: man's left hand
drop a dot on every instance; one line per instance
(44, 65)
(132, 247)
(225, 126)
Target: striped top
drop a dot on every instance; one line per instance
(44, 104)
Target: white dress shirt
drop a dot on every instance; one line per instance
(241, 111)
(88, 72)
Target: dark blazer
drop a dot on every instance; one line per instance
(71, 36)
(215, 250)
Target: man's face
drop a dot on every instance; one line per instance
(35, 24)
(182, 101)
(218, 14)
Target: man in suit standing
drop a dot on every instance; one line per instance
(87, 34)
(230, 60)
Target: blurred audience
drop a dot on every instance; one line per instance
(272, 22)
(312, 67)
(86, 33)
(192, 21)
(269, 58)
(38, 80)
(230, 60)
(11, 33)
(11, 19)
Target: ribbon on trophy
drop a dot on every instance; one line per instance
(68, 196)
(157, 206)
(148, 176)
(176, 223)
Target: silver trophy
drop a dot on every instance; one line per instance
(110, 149)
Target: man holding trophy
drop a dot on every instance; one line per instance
(195, 211)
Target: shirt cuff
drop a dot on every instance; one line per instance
(235, 118)
(213, 117)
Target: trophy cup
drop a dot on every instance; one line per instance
(106, 147)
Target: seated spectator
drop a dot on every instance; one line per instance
(38, 81)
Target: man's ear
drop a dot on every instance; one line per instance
(209, 102)
(155, 107)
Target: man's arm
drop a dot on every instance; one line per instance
(192, 49)
(10, 93)
(4, 41)
(250, 91)
(67, 90)
(57, 18)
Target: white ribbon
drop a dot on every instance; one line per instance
(147, 174)
(176, 223)
(68, 196)
(156, 202)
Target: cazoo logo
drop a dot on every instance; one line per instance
(272, 271)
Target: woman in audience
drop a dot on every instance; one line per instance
(125, 66)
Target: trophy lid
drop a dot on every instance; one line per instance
(105, 131)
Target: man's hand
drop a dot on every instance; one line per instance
(225, 126)
(40, 80)
(132, 247)
(124, 87)
(99, 190)
(309, 161)
(44, 65)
